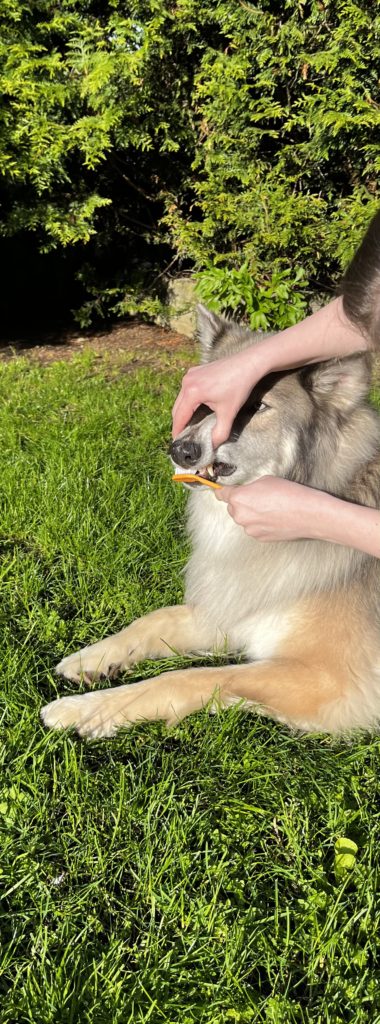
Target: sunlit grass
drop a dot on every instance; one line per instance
(178, 876)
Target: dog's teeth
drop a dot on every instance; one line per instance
(210, 469)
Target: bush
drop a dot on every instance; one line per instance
(288, 154)
(238, 135)
(277, 302)
(96, 129)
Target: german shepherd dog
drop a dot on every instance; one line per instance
(305, 614)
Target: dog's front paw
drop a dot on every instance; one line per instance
(103, 712)
(91, 714)
(106, 658)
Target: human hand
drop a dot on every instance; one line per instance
(273, 509)
(223, 385)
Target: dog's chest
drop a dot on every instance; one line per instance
(229, 575)
(239, 583)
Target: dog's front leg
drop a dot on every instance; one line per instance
(288, 689)
(169, 697)
(179, 628)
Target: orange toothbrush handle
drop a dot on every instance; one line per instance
(191, 478)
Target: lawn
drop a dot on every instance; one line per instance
(184, 876)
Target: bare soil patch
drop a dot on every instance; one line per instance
(147, 344)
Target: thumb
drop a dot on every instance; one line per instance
(222, 429)
(224, 494)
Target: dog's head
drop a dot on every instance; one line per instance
(283, 427)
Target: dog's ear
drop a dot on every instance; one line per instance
(340, 383)
(210, 328)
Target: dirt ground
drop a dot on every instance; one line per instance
(148, 344)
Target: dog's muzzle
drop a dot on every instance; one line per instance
(187, 454)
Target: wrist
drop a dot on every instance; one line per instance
(265, 356)
(343, 522)
(252, 363)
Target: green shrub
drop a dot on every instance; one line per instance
(288, 153)
(277, 302)
(215, 133)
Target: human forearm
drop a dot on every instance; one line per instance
(273, 509)
(323, 335)
(224, 385)
(342, 522)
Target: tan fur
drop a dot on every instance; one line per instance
(160, 634)
(316, 680)
(305, 614)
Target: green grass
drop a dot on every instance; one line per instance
(183, 876)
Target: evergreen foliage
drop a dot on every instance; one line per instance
(218, 132)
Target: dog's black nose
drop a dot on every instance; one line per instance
(185, 452)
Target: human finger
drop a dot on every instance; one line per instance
(182, 411)
(222, 428)
(224, 494)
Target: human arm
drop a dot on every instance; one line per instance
(224, 385)
(273, 509)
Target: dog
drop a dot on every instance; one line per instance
(304, 614)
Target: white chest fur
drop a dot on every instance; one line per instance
(250, 589)
(260, 636)
(226, 579)
(229, 575)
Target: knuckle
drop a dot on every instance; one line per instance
(239, 516)
(190, 387)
